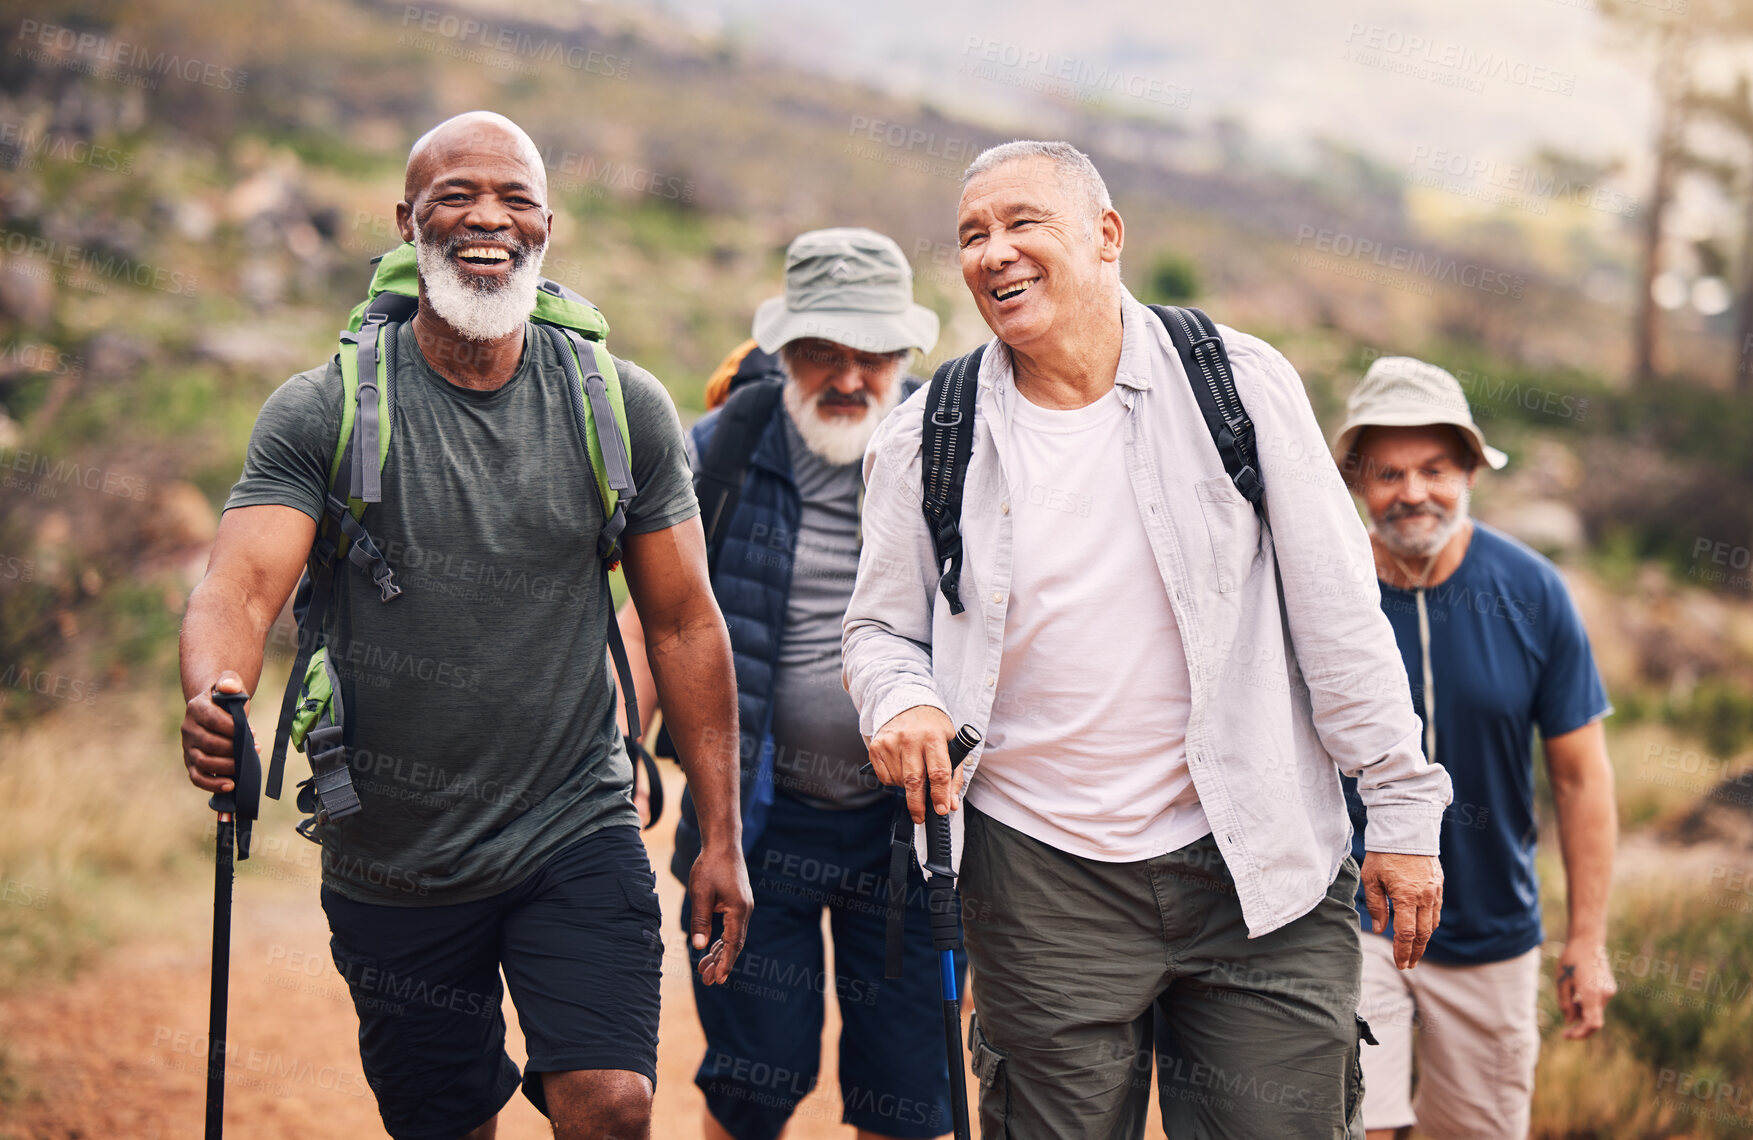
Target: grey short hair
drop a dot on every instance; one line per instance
(1074, 166)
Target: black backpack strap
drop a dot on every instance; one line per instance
(642, 760)
(718, 484)
(895, 910)
(318, 586)
(1202, 354)
(310, 606)
(946, 445)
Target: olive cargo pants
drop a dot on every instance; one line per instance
(1073, 959)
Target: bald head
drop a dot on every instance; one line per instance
(471, 137)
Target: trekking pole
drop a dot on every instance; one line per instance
(237, 814)
(945, 903)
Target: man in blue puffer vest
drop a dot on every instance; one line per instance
(815, 828)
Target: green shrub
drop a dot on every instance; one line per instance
(1174, 280)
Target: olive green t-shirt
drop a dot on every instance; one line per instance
(479, 704)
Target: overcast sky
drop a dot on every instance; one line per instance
(1493, 79)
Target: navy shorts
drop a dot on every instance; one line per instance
(581, 945)
(764, 1024)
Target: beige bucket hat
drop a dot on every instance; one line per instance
(848, 285)
(1399, 391)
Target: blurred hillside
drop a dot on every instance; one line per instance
(189, 194)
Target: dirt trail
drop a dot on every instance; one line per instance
(118, 1053)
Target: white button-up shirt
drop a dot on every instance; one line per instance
(1295, 673)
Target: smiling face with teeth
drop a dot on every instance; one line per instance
(1036, 253)
(476, 209)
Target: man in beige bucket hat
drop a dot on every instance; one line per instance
(784, 553)
(848, 285)
(1494, 649)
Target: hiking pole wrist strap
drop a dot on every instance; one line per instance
(941, 897)
(895, 912)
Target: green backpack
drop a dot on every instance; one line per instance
(311, 714)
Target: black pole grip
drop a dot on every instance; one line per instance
(245, 801)
(937, 827)
(941, 898)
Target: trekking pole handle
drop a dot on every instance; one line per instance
(244, 801)
(937, 827)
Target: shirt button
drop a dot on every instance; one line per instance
(997, 598)
(1004, 508)
(989, 680)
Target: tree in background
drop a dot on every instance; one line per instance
(1673, 35)
(1733, 110)
(1668, 37)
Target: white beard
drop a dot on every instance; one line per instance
(478, 308)
(1429, 542)
(840, 440)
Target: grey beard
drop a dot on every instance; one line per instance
(837, 442)
(1428, 545)
(478, 310)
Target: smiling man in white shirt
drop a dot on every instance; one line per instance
(1157, 822)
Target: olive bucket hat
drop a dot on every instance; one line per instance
(848, 285)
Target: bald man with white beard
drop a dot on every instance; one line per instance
(497, 831)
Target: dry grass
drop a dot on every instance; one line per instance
(100, 823)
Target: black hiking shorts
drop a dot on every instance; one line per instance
(581, 948)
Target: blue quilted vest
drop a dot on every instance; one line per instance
(753, 584)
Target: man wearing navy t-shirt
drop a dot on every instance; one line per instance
(1494, 650)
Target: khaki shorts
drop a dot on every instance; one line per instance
(1475, 1035)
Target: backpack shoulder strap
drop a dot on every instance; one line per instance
(599, 409)
(742, 419)
(366, 405)
(946, 445)
(1202, 354)
(367, 386)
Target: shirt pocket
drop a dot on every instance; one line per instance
(1234, 528)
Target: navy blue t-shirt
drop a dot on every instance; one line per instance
(1508, 654)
